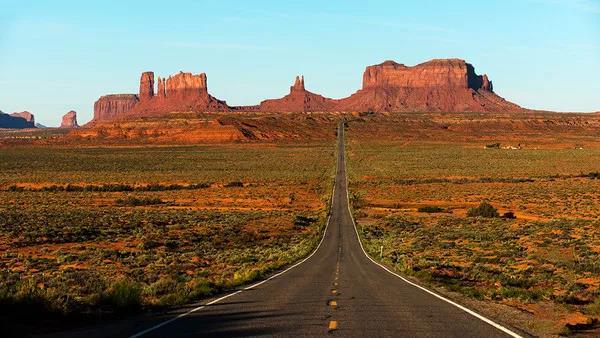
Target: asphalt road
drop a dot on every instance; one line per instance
(336, 291)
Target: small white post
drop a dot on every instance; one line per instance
(381, 251)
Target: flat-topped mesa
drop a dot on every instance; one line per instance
(186, 85)
(146, 86)
(109, 107)
(29, 118)
(440, 85)
(446, 73)
(17, 120)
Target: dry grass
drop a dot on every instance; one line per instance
(545, 262)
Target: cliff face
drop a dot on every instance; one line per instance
(110, 107)
(449, 85)
(69, 120)
(27, 116)
(181, 92)
(447, 73)
(17, 120)
(439, 85)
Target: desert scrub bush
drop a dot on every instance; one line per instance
(124, 295)
(401, 223)
(509, 215)
(483, 210)
(234, 184)
(356, 200)
(430, 209)
(116, 187)
(135, 201)
(301, 221)
(594, 175)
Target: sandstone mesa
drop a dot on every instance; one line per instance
(17, 120)
(439, 85)
(69, 120)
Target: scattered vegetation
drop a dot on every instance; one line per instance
(74, 243)
(302, 221)
(545, 262)
(135, 201)
(234, 184)
(483, 210)
(430, 209)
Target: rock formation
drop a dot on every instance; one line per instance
(25, 115)
(17, 120)
(146, 86)
(445, 85)
(69, 120)
(110, 107)
(182, 92)
(298, 100)
(439, 85)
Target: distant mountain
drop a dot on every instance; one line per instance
(39, 125)
(17, 120)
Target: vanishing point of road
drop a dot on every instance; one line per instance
(338, 290)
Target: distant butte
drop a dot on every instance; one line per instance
(439, 85)
(69, 120)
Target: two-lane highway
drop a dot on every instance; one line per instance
(337, 290)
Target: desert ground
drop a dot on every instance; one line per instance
(98, 231)
(120, 218)
(416, 199)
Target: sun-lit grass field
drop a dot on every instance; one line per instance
(414, 200)
(102, 230)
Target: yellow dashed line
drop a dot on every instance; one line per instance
(332, 325)
(333, 303)
(333, 292)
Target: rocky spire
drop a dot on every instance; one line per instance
(147, 86)
(298, 84)
(162, 88)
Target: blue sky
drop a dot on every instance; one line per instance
(61, 55)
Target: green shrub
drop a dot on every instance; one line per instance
(594, 175)
(509, 215)
(303, 221)
(134, 201)
(430, 209)
(483, 210)
(124, 295)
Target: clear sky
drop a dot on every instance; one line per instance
(61, 55)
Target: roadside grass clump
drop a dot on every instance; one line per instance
(594, 308)
(430, 209)
(124, 295)
(485, 210)
(135, 201)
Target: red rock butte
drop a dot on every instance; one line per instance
(439, 85)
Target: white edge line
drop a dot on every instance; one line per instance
(139, 334)
(467, 310)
